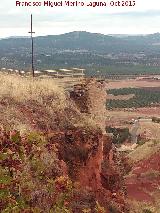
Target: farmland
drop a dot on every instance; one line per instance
(133, 99)
(143, 97)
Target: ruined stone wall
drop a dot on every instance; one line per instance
(90, 98)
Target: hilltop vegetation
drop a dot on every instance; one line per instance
(27, 102)
(27, 164)
(50, 153)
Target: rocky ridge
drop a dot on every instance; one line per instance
(82, 153)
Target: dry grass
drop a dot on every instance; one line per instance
(151, 174)
(152, 129)
(25, 101)
(145, 151)
(24, 89)
(143, 207)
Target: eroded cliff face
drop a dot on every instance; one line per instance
(102, 169)
(96, 170)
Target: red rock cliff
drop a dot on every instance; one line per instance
(102, 170)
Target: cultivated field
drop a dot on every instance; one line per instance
(132, 83)
(119, 97)
(124, 117)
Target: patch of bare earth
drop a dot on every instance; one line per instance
(132, 83)
(143, 182)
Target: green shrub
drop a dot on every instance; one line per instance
(120, 135)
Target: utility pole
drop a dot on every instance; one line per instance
(31, 32)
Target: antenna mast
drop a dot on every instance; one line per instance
(31, 32)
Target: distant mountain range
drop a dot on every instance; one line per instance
(85, 41)
(79, 48)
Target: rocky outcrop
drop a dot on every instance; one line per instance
(103, 170)
(96, 170)
(90, 98)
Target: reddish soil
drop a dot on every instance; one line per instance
(149, 111)
(151, 163)
(135, 191)
(145, 179)
(132, 83)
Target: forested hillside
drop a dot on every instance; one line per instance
(93, 51)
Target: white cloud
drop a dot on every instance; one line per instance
(143, 18)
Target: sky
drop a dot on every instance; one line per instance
(143, 18)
